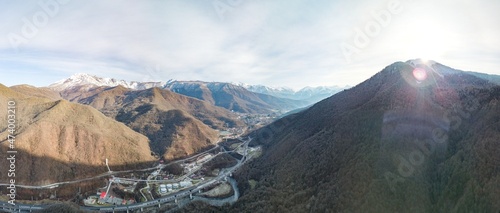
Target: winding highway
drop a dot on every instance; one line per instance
(223, 175)
(54, 185)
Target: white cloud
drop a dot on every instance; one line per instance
(286, 43)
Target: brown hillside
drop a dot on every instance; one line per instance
(32, 91)
(55, 137)
(112, 100)
(177, 125)
(173, 133)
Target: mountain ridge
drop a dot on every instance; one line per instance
(177, 125)
(308, 95)
(83, 79)
(308, 92)
(233, 97)
(383, 146)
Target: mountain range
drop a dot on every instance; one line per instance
(418, 136)
(233, 97)
(177, 125)
(308, 94)
(240, 97)
(68, 129)
(83, 79)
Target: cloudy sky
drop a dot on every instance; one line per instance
(293, 43)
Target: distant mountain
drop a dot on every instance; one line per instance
(177, 125)
(227, 95)
(233, 97)
(61, 141)
(281, 92)
(82, 79)
(315, 94)
(309, 94)
(416, 137)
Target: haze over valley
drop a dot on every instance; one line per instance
(250, 106)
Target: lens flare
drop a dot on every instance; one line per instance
(420, 74)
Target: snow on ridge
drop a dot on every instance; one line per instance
(304, 93)
(90, 81)
(83, 79)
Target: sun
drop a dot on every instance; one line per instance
(428, 48)
(427, 45)
(426, 38)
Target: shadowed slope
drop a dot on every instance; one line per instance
(234, 97)
(177, 125)
(390, 144)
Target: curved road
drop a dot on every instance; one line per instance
(221, 202)
(54, 185)
(157, 202)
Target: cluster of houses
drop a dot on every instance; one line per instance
(103, 199)
(129, 185)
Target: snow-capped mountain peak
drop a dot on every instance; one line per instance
(87, 80)
(267, 90)
(313, 93)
